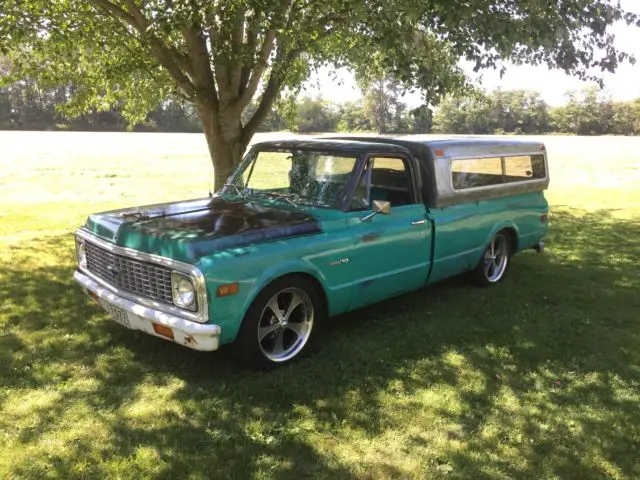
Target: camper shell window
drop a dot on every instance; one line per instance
(492, 171)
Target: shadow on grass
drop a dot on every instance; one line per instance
(536, 377)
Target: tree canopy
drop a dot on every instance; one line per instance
(220, 55)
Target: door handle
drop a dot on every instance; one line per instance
(419, 222)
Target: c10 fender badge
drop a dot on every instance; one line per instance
(339, 262)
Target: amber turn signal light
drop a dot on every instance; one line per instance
(162, 330)
(228, 289)
(93, 295)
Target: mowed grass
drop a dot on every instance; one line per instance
(538, 377)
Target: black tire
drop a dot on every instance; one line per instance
(264, 353)
(485, 274)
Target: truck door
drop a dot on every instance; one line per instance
(391, 250)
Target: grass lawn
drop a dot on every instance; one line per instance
(538, 377)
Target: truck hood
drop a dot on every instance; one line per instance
(189, 230)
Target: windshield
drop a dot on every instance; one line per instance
(298, 177)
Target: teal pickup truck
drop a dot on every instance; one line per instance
(310, 228)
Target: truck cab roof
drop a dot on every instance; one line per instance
(347, 145)
(456, 146)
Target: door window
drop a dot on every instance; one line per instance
(384, 178)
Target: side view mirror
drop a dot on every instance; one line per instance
(379, 206)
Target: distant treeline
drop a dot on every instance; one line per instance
(587, 112)
(24, 106)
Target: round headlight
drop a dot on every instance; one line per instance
(184, 293)
(81, 253)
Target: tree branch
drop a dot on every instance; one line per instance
(266, 102)
(116, 12)
(144, 24)
(163, 54)
(266, 49)
(258, 71)
(269, 96)
(252, 38)
(237, 42)
(137, 13)
(200, 65)
(220, 69)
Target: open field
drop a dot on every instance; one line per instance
(538, 377)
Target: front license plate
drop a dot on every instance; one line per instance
(118, 314)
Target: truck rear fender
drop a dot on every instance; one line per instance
(510, 228)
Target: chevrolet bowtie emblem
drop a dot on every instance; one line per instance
(112, 270)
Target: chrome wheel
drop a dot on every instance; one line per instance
(496, 258)
(285, 324)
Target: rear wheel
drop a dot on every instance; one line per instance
(282, 323)
(494, 262)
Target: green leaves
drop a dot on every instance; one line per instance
(221, 55)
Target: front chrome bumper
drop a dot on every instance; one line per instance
(204, 337)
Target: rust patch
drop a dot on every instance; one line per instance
(189, 340)
(370, 237)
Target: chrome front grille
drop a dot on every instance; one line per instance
(130, 275)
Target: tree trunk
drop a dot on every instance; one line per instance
(225, 147)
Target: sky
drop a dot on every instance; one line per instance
(552, 84)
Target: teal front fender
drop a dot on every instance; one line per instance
(254, 267)
(288, 268)
(228, 312)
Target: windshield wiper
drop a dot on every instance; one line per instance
(282, 196)
(278, 196)
(235, 187)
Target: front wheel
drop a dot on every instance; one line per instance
(494, 262)
(281, 324)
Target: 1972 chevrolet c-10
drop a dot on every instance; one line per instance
(307, 229)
